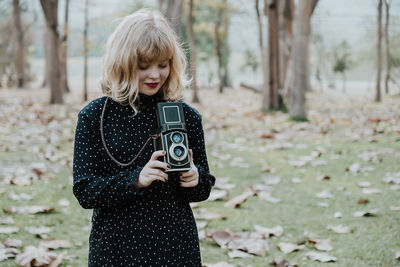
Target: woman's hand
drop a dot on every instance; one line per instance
(153, 171)
(190, 178)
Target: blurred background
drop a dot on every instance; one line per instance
(301, 114)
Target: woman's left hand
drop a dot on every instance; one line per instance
(190, 178)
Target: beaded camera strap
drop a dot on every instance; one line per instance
(153, 136)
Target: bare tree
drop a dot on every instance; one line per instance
(388, 65)
(263, 55)
(300, 58)
(193, 55)
(85, 52)
(172, 10)
(50, 8)
(20, 51)
(63, 51)
(379, 53)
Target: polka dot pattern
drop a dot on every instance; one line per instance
(153, 226)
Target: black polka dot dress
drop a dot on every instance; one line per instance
(153, 226)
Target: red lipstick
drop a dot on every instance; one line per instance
(152, 85)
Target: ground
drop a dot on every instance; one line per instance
(305, 177)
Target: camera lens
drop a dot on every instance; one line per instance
(178, 151)
(177, 138)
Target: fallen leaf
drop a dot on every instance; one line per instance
(370, 191)
(271, 180)
(340, 229)
(239, 200)
(8, 229)
(363, 201)
(29, 209)
(55, 244)
(267, 196)
(203, 214)
(35, 256)
(364, 184)
(39, 230)
(320, 256)
(323, 177)
(63, 203)
(239, 254)
(6, 253)
(282, 263)
(296, 180)
(268, 232)
(219, 264)
(7, 220)
(222, 238)
(324, 244)
(365, 213)
(216, 194)
(397, 255)
(18, 197)
(289, 247)
(338, 215)
(393, 208)
(10, 242)
(325, 194)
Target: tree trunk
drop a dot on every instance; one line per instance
(264, 58)
(379, 54)
(273, 49)
(218, 49)
(286, 37)
(387, 78)
(193, 55)
(301, 39)
(63, 52)
(85, 53)
(172, 10)
(50, 8)
(20, 52)
(45, 81)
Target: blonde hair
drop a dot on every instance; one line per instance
(144, 36)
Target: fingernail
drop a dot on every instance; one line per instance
(163, 152)
(169, 166)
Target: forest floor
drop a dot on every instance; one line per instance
(325, 190)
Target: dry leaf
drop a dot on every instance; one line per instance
(218, 264)
(35, 256)
(18, 197)
(271, 180)
(365, 213)
(370, 191)
(63, 203)
(363, 201)
(282, 263)
(222, 238)
(324, 244)
(216, 194)
(239, 254)
(203, 214)
(16, 243)
(397, 255)
(340, 229)
(338, 215)
(289, 247)
(7, 220)
(325, 194)
(8, 229)
(239, 200)
(39, 230)
(323, 177)
(296, 180)
(6, 253)
(29, 209)
(55, 244)
(364, 184)
(268, 232)
(393, 208)
(267, 196)
(320, 256)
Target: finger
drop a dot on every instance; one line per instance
(157, 172)
(187, 174)
(189, 184)
(191, 156)
(155, 177)
(157, 154)
(158, 164)
(189, 179)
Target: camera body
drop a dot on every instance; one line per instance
(172, 136)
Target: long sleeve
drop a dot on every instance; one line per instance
(196, 142)
(90, 187)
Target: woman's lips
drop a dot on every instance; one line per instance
(152, 85)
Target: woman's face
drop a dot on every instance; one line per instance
(152, 76)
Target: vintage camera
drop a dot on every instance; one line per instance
(172, 136)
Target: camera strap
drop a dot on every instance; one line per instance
(153, 136)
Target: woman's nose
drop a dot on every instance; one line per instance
(154, 73)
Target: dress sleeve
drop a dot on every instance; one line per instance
(206, 180)
(90, 187)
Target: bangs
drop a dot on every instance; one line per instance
(154, 46)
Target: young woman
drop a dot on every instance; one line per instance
(141, 214)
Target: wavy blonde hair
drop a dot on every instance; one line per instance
(144, 36)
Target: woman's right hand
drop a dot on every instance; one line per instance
(152, 171)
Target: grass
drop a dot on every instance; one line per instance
(374, 241)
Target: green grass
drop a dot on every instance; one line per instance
(373, 242)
